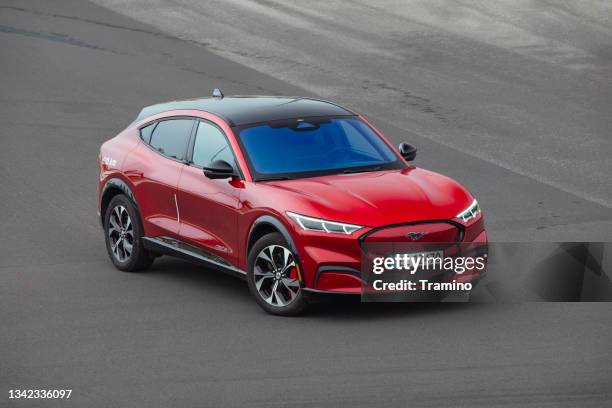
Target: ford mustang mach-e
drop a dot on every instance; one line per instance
(281, 191)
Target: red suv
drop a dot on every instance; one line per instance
(280, 191)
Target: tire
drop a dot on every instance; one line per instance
(272, 279)
(123, 233)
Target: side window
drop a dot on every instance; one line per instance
(171, 137)
(210, 145)
(145, 132)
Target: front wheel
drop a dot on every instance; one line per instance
(274, 278)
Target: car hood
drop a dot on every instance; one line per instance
(376, 198)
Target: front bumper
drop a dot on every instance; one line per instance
(332, 263)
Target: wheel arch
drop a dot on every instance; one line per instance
(113, 187)
(267, 224)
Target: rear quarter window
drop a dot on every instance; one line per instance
(171, 137)
(146, 132)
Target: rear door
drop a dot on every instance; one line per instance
(209, 208)
(159, 162)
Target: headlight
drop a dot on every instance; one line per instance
(471, 212)
(317, 224)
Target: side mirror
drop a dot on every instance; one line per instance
(407, 151)
(219, 169)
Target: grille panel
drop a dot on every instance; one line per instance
(431, 231)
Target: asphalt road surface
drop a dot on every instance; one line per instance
(520, 118)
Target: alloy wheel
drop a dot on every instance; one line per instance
(275, 274)
(120, 233)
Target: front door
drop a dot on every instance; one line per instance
(209, 208)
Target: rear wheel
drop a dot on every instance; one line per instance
(273, 276)
(123, 232)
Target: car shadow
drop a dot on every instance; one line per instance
(192, 274)
(341, 307)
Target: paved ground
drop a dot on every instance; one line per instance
(523, 86)
(73, 74)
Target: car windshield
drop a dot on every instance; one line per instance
(308, 147)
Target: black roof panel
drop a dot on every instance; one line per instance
(242, 110)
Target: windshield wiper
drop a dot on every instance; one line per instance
(349, 171)
(274, 178)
